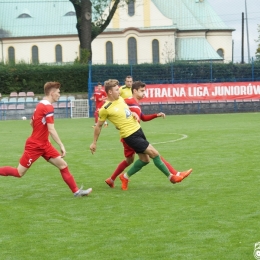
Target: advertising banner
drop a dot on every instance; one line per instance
(224, 91)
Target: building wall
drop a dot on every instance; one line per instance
(46, 48)
(146, 16)
(120, 50)
(217, 39)
(221, 40)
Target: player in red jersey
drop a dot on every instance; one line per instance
(38, 143)
(99, 97)
(138, 93)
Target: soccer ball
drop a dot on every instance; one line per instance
(24, 118)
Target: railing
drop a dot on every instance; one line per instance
(19, 111)
(173, 73)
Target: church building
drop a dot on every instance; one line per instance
(145, 31)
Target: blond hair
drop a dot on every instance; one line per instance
(110, 83)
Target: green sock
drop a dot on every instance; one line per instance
(137, 166)
(160, 165)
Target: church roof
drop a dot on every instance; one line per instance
(30, 18)
(194, 49)
(191, 14)
(37, 18)
(57, 17)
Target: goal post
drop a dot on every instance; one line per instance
(79, 108)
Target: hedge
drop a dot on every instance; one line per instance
(74, 78)
(23, 77)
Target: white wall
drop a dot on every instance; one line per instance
(221, 40)
(120, 50)
(126, 21)
(46, 48)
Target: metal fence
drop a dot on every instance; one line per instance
(177, 73)
(23, 111)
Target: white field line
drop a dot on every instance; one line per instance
(183, 136)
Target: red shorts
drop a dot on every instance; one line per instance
(33, 150)
(128, 151)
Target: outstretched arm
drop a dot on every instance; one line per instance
(152, 116)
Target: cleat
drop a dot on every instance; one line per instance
(110, 182)
(175, 178)
(124, 181)
(105, 125)
(81, 192)
(185, 173)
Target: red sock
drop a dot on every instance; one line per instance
(69, 179)
(9, 171)
(120, 168)
(170, 168)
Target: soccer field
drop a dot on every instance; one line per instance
(212, 214)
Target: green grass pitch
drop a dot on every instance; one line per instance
(212, 214)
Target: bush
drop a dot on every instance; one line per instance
(25, 77)
(74, 78)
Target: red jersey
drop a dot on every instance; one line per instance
(135, 107)
(43, 114)
(99, 96)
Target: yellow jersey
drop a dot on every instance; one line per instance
(125, 92)
(118, 113)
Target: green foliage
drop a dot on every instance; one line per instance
(258, 48)
(28, 77)
(213, 214)
(74, 78)
(258, 53)
(84, 56)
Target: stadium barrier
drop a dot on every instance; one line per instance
(78, 108)
(198, 107)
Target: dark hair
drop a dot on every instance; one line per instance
(128, 77)
(138, 84)
(110, 83)
(48, 86)
(99, 83)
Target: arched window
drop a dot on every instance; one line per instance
(11, 54)
(132, 51)
(155, 49)
(220, 53)
(35, 54)
(109, 53)
(58, 53)
(71, 13)
(24, 15)
(131, 8)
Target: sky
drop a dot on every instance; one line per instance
(230, 11)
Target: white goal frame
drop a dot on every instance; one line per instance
(79, 108)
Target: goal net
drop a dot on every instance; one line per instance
(79, 108)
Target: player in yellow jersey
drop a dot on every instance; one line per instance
(126, 122)
(138, 93)
(126, 90)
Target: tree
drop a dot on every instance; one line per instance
(90, 24)
(258, 48)
(168, 52)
